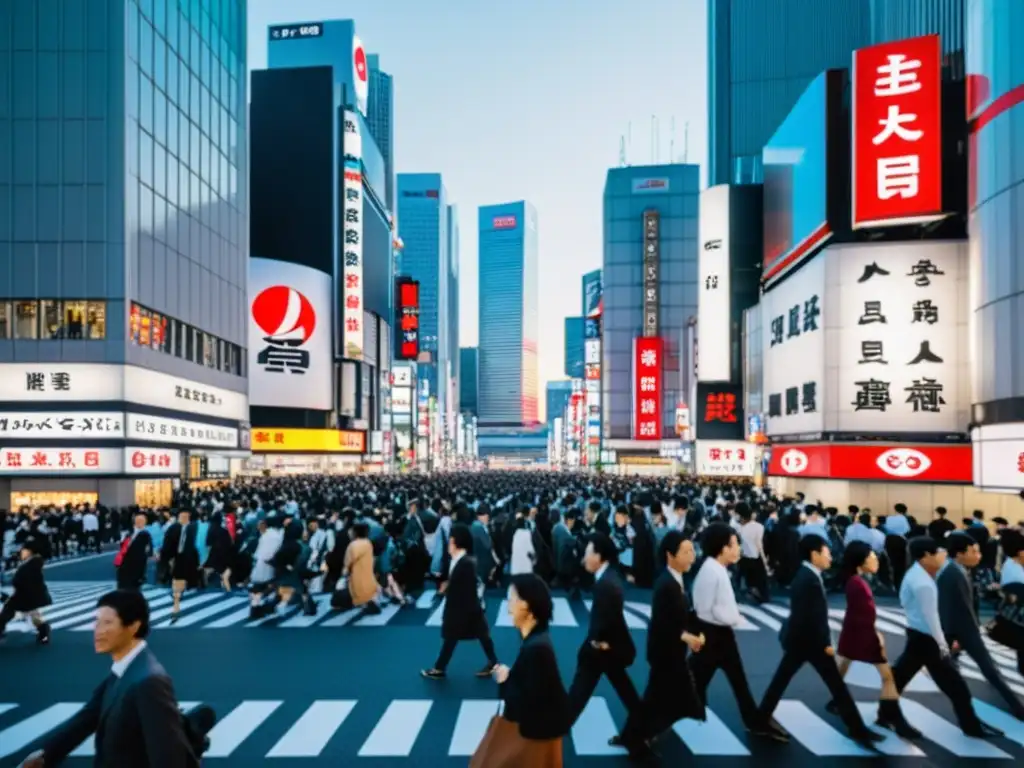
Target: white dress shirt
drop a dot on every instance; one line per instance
(713, 597)
(119, 667)
(522, 552)
(600, 572)
(1011, 573)
(677, 576)
(455, 560)
(752, 540)
(90, 523)
(919, 596)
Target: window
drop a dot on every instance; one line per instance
(190, 340)
(26, 316)
(5, 320)
(209, 351)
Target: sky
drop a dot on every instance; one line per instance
(529, 100)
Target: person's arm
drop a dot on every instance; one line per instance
(724, 610)
(163, 733)
(928, 601)
(541, 698)
(57, 746)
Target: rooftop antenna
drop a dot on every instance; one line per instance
(686, 141)
(622, 151)
(672, 140)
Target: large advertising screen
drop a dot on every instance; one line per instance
(647, 387)
(652, 270)
(290, 347)
(714, 304)
(352, 243)
(592, 288)
(407, 301)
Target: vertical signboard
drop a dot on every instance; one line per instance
(360, 75)
(592, 290)
(352, 243)
(407, 295)
(647, 389)
(592, 374)
(714, 306)
(897, 132)
(652, 259)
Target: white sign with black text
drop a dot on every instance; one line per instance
(160, 390)
(401, 375)
(62, 461)
(401, 400)
(160, 429)
(725, 458)
(714, 306)
(152, 461)
(61, 425)
(793, 315)
(902, 324)
(998, 453)
(352, 241)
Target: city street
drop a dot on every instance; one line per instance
(349, 687)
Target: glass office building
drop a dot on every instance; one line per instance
(455, 359)
(508, 289)
(672, 191)
(380, 119)
(761, 56)
(900, 19)
(556, 400)
(123, 185)
(468, 380)
(574, 347)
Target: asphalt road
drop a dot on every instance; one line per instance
(311, 694)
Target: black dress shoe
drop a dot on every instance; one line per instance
(866, 737)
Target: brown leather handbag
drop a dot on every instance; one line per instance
(504, 747)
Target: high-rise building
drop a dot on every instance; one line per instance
(762, 54)
(508, 289)
(469, 380)
(556, 398)
(453, 305)
(672, 192)
(423, 225)
(124, 242)
(574, 347)
(380, 117)
(912, 18)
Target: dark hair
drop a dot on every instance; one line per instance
(603, 547)
(743, 511)
(462, 537)
(535, 593)
(857, 553)
(958, 542)
(361, 530)
(922, 546)
(1012, 542)
(810, 544)
(130, 607)
(670, 544)
(717, 537)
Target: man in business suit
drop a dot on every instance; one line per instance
(133, 557)
(807, 639)
(133, 713)
(958, 612)
(463, 617)
(608, 648)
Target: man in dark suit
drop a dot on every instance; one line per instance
(958, 612)
(608, 649)
(463, 617)
(133, 713)
(807, 639)
(133, 557)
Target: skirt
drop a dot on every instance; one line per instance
(503, 747)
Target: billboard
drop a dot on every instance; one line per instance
(720, 412)
(360, 75)
(714, 305)
(796, 164)
(998, 457)
(352, 243)
(647, 387)
(592, 290)
(897, 133)
(913, 463)
(504, 222)
(647, 186)
(290, 352)
(407, 307)
(793, 348)
(652, 260)
(725, 458)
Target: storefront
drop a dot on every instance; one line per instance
(306, 451)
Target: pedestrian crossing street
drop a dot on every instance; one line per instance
(422, 728)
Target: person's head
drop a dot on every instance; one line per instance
(621, 516)
(122, 618)
(814, 549)
(859, 558)
(460, 540)
(926, 552)
(941, 512)
(677, 551)
(184, 516)
(140, 520)
(529, 602)
(29, 548)
(1012, 543)
(360, 530)
(720, 542)
(600, 550)
(963, 548)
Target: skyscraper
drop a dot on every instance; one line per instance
(556, 398)
(761, 56)
(453, 305)
(573, 363)
(423, 224)
(508, 289)
(380, 119)
(469, 380)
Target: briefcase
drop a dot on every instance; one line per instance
(503, 747)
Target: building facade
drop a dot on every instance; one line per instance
(469, 378)
(556, 400)
(573, 363)
(380, 118)
(508, 289)
(454, 357)
(672, 191)
(912, 18)
(761, 56)
(123, 240)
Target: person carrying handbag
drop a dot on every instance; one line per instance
(536, 713)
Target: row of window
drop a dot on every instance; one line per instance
(147, 328)
(53, 319)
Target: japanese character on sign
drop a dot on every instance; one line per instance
(898, 76)
(872, 395)
(351, 259)
(872, 352)
(794, 322)
(778, 329)
(351, 237)
(648, 407)
(649, 358)
(648, 383)
(872, 313)
(792, 401)
(811, 314)
(925, 355)
(36, 382)
(898, 176)
(810, 397)
(923, 271)
(720, 406)
(870, 271)
(894, 124)
(925, 395)
(711, 283)
(925, 312)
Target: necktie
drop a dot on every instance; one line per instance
(181, 540)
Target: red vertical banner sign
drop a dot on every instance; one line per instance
(897, 132)
(647, 387)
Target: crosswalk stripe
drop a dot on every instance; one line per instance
(592, 730)
(276, 615)
(947, 735)
(7, 707)
(632, 620)
(78, 605)
(471, 725)
(1011, 727)
(863, 675)
(230, 620)
(756, 613)
(302, 620)
(231, 730)
(814, 733)
(1012, 675)
(397, 730)
(154, 616)
(342, 618)
(88, 747)
(436, 617)
(711, 737)
(426, 600)
(891, 744)
(88, 614)
(894, 616)
(211, 610)
(387, 613)
(311, 732)
(20, 735)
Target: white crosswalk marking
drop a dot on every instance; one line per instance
(592, 730)
(946, 734)
(632, 620)
(20, 735)
(397, 730)
(378, 619)
(471, 725)
(312, 731)
(712, 737)
(211, 610)
(1005, 722)
(343, 618)
(88, 747)
(814, 733)
(426, 600)
(892, 744)
(756, 613)
(323, 603)
(437, 616)
(238, 725)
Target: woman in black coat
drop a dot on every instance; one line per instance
(221, 550)
(30, 592)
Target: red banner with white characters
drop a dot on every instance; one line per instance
(883, 463)
(647, 352)
(897, 132)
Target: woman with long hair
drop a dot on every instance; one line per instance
(859, 639)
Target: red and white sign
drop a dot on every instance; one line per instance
(53, 461)
(503, 222)
(360, 75)
(725, 458)
(882, 463)
(897, 132)
(152, 461)
(999, 457)
(647, 394)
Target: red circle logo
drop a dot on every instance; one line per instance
(284, 314)
(359, 59)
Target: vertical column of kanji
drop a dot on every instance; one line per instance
(924, 393)
(872, 389)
